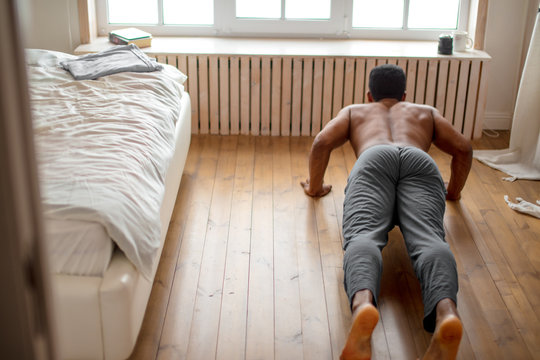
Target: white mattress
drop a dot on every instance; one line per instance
(78, 247)
(103, 149)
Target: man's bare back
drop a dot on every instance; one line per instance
(389, 121)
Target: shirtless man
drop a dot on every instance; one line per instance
(395, 182)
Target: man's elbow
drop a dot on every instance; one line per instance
(464, 151)
(468, 150)
(321, 143)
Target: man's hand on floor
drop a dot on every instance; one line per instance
(315, 192)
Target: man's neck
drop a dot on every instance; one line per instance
(388, 102)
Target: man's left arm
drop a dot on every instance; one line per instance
(459, 147)
(334, 134)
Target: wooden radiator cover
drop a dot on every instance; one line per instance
(298, 95)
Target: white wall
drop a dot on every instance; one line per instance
(55, 26)
(52, 25)
(506, 24)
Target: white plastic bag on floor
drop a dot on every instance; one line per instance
(524, 206)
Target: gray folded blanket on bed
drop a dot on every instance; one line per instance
(117, 59)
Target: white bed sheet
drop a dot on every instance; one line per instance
(103, 149)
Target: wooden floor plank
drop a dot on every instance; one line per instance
(149, 338)
(206, 313)
(287, 303)
(260, 321)
(497, 320)
(500, 271)
(252, 267)
(232, 323)
(315, 326)
(176, 328)
(331, 253)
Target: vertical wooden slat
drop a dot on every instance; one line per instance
(265, 95)
(179, 62)
(224, 100)
(348, 88)
(161, 58)
(296, 112)
(193, 86)
(442, 82)
(431, 82)
(370, 64)
(235, 95)
(275, 115)
(461, 97)
(203, 95)
(307, 93)
(286, 96)
(339, 70)
(316, 113)
(482, 100)
(213, 74)
(402, 63)
(420, 87)
(327, 90)
(255, 90)
(472, 98)
(392, 61)
(359, 81)
(451, 90)
(244, 95)
(411, 79)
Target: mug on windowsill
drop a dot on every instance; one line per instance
(462, 41)
(445, 44)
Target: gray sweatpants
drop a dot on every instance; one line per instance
(391, 185)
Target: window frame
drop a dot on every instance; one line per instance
(339, 26)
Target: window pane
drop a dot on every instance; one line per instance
(133, 11)
(433, 14)
(188, 12)
(377, 14)
(307, 9)
(262, 9)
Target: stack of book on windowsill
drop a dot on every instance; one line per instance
(131, 36)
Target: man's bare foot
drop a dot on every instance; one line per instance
(358, 346)
(445, 340)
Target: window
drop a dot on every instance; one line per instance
(380, 19)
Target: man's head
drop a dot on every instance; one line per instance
(387, 81)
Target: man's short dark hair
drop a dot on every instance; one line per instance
(387, 81)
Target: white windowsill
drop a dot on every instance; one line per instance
(290, 47)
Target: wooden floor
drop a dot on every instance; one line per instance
(252, 268)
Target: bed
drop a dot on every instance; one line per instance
(110, 152)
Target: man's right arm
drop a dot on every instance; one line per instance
(334, 134)
(452, 142)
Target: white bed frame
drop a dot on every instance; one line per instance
(100, 317)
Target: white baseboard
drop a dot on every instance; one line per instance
(498, 121)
